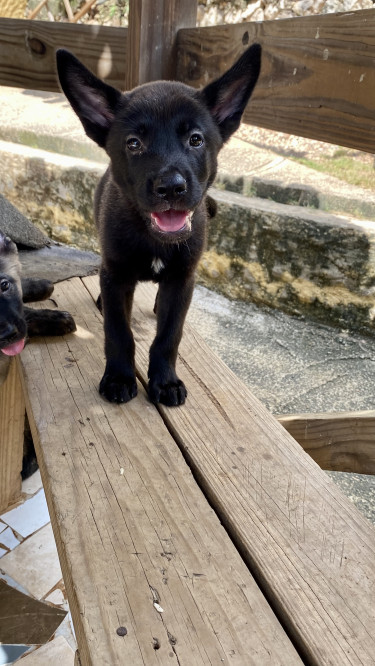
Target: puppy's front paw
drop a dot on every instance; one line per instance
(172, 393)
(48, 322)
(118, 388)
(64, 322)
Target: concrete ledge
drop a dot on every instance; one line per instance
(295, 258)
(301, 260)
(55, 191)
(246, 169)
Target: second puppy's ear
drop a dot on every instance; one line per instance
(227, 97)
(94, 101)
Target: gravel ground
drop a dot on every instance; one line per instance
(291, 146)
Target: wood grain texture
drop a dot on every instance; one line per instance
(307, 545)
(342, 441)
(134, 532)
(153, 27)
(317, 78)
(12, 420)
(27, 52)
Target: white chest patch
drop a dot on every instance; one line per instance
(157, 265)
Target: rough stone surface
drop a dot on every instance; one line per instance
(246, 169)
(54, 191)
(293, 365)
(211, 12)
(285, 257)
(13, 8)
(292, 257)
(303, 261)
(58, 262)
(18, 227)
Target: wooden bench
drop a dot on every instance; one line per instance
(203, 534)
(205, 531)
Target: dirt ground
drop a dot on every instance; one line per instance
(353, 166)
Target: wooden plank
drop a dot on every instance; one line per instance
(307, 545)
(132, 528)
(342, 441)
(317, 78)
(27, 52)
(12, 421)
(153, 26)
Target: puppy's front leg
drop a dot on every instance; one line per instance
(118, 383)
(172, 305)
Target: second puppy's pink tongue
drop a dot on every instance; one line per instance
(14, 349)
(170, 220)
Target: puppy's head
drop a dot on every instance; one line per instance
(12, 321)
(162, 138)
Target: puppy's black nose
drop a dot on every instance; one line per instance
(170, 186)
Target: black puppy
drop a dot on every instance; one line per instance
(150, 206)
(16, 321)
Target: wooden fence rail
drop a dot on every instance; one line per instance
(27, 52)
(317, 78)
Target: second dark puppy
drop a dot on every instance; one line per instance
(162, 139)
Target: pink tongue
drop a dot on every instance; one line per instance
(14, 349)
(170, 220)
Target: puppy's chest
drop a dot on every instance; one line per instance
(152, 268)
(157, 266)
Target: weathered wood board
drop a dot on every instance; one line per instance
(153, 25)
(342, 441)
(317, 78)
(134, 532)
(27, 52)
(307, 545)
(12, 421)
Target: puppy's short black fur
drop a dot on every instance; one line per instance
(16, 321)
(150, 206)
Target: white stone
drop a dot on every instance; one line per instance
(28, 517)
(56, 651)
(8, 539)
(35, 563)
(66, 629)
(31, 485)
(56, 597)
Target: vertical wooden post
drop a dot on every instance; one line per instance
(153, 26)
(12, 420)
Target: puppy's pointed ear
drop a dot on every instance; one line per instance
(227, 97)
(94, 101)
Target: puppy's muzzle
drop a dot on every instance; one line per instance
(170, 187)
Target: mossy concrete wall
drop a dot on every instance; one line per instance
(301, 260)
(304, 261)
(54, 191)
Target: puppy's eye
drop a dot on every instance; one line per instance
(196, 140)
(133, 144)
(4, 285)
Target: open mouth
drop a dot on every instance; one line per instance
(172, 221)
(14, 348)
